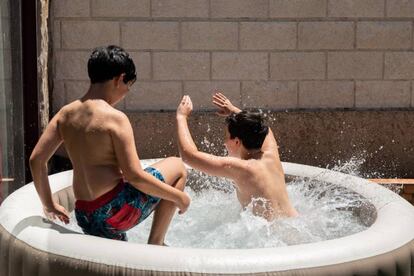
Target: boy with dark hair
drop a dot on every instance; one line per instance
(253, 162)
(100, 144)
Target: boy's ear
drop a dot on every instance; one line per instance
(237, 141)
(119, 79)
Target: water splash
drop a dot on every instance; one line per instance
(354, 167)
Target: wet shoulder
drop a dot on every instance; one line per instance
(118, 119)
(266, 163)
(68, 109)
(91, 115)
(245, 168)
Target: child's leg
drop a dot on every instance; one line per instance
(175, 174)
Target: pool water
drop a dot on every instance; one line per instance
(215, 218)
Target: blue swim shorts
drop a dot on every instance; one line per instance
(117, 211)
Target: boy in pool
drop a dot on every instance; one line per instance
(253, 162)
(100, 143)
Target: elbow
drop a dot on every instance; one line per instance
(134, 176)
(36, 161)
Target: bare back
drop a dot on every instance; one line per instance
(261, 182)
(85, 127)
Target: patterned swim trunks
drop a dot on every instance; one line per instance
(117, 211)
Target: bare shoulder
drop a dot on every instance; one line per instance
(117, 121)
(65, 111)
(235, 163)
(69, 108)
(239, 167)
(118, 117)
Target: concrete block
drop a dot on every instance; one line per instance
(73, 8)
(181, 66)
(326, 94)
(297, 66)
(180, 8)
(297, 8)
(399, 65)
(239, 66)
(326, 35)
(274, 95)
(150, 35)
(412, 94)
(154, 96)
(75, 90)
(209, 35)
(71, 65)
(58, 95)
(400, 8)
(267, 35)
(201, 92)
(355, 65)
(56, 35)
(356, 8)
(384, 35)
(89, 34)
(120, 8)
(142, 61)
(239, 8)
(382, 94)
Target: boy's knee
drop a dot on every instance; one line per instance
(182, 169)
(182, 172)
(179, 165)
(176, 167)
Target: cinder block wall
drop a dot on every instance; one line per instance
(275, 54)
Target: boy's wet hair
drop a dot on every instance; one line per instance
(108, 62)
(249, 127)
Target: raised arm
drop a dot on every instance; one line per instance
(208, 163)
(270, 144)
(225, 106)
(43, 151)
(128, 161)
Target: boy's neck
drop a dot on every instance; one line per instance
(101, 91)
(246, 154)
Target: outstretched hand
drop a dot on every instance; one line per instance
(57, 211)
(185, 107)
(224, 105)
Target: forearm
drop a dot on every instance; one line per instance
(186, 143)
(154, 187)
(41, 182)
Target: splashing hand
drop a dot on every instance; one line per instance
(224, 105)
(185, 107)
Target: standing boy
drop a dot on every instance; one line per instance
(253, 162)
(100, 143)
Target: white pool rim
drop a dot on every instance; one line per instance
(21, 212)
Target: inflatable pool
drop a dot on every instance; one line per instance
(31, 245)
